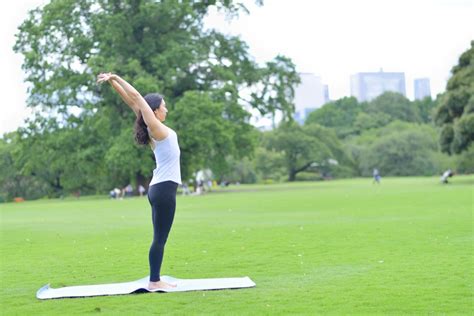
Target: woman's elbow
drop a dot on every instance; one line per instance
(134, 96)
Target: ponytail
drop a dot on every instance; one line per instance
(141, 130)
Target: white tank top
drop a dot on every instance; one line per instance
(167, 159)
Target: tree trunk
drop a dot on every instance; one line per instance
(293, 172)
(141, 180)
(292, 175)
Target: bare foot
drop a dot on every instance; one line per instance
(160, 285)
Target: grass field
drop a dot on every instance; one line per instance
(335, 247)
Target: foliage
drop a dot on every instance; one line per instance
(390, 133)
(269, 164)
(340, 115)
(395, 106)
(240, 171)
(455, 113)
(62, 158)
(305, 147)
(399, 149)
(124, 160)
(465, 161)
(210, 131)
(365, 121)
(426, 109)
(348, 117)
(13, 183)
(276, 90)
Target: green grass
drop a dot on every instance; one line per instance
(336, 247)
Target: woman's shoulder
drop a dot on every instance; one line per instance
(170, 132)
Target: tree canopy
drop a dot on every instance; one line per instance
(398, 149)
(305, 147)
(348, 117)
(455, 113)
(340, 115)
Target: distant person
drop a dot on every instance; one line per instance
(185, 188)
(224, 183)
(141, 190)
(150, 114)
(447, 174)
(115, 193)
(128, 190)
(209, 185)
(199, 188)
(376, 175)
(195, 185)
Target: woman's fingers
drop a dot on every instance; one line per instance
(103, 77)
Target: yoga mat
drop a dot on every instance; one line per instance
(183, 285)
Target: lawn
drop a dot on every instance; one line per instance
(333, 247)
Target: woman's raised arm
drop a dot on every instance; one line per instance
(137, 103)
(103, 77)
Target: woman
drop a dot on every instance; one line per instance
(149, 130)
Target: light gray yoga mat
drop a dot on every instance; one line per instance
(141, 285)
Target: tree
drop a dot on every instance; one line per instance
(455, 113)
(269, 164)
(68, 159)
(304, 147)
(372, 120)
(126, 162)
(156, 45)
(426, 109)
(348, 117)
(276, 90)
(240, 170)
(210, 131)
(395, 106)
(465, 161)
(339, 115)
(398, 149)
(12, 182)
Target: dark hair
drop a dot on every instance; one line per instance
(141, 131)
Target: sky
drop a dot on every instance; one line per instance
(329, 38)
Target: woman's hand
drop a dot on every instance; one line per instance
(114, 81)
(104, 77)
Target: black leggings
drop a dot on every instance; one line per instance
(162, 197)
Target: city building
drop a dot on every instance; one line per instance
(422, 88)
(310, 94)
(366, 86)
(326, 94)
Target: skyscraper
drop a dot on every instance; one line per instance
(366, 86)
(309, 95)
(422, 88)
(326, 93)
